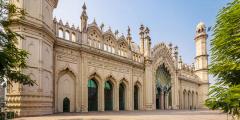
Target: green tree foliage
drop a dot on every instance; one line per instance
(12, 59)
(225, 61)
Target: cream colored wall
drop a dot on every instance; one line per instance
(192, 87)
(62, 68)
(86, 65)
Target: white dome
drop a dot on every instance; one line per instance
(201, 25)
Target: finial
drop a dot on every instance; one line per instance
(147, 30)
(193, 66)
(129, 31)
(84, 6)
(116, 32)
(180, 59)
(60, 21)
(67, 24)
(109, 29)
(73, 27)
(94, 21)
(101, 26)
(170, 45)
(55, 19)
(142, 27)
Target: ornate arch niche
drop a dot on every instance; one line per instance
(94, 37)
(66, 88)
(109, 93)
(164, 77)
(94, 86)
(123, 94)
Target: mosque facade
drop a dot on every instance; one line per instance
(88, 68)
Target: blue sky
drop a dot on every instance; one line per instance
(169, 20)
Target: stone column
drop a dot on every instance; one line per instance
(166, 100)
(116, 102)
(101, 98)
(162, 100)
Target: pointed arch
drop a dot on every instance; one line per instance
(123, 94)
(185, 102)
(189, 100)
(94, 89)
(96, 77)
(137, 95)
(66, 104)
(66, 80)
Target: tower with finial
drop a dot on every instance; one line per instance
(141, 34)
(201, 61)
(84, 18)
(201, 58)
(129, 37)
(147, 47)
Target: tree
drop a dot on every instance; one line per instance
(12, 59)
(225, 61)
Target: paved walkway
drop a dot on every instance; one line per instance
(135, 115)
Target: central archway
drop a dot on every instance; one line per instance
(108, 96)
(163, 88)
(92, 95)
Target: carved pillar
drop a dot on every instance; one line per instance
(162, 100)
(116, 102)
(101, 97)
(166, 100)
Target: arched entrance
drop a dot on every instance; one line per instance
(92, 95)
(136, 96)
(163, 88)
(108, 95)
(122, 96)
(66, 105)
(66, 89)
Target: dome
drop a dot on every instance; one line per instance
(200, 26)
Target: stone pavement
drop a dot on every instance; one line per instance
(135, 115)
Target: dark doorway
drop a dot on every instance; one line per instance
(108, 96)
(66, 105)
(136, 96)
(158, 98)
(121, 97)
(92, 95)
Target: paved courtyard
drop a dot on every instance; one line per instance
(135, 115)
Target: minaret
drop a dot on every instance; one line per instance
(201, 52)
(201, 62)
(147, 42)
(141, 34)
(84, 18)
(129, 37)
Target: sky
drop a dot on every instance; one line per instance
(169, 21)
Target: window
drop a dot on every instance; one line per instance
(113, 50)
(109, 49)
(60, 33)
(67, 35)
(105, 47)
(99, 45)
(89, 42)
(73, 37)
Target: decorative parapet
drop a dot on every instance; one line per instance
(98, 39)
(66, 31)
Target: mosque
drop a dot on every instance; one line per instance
(89, 68)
